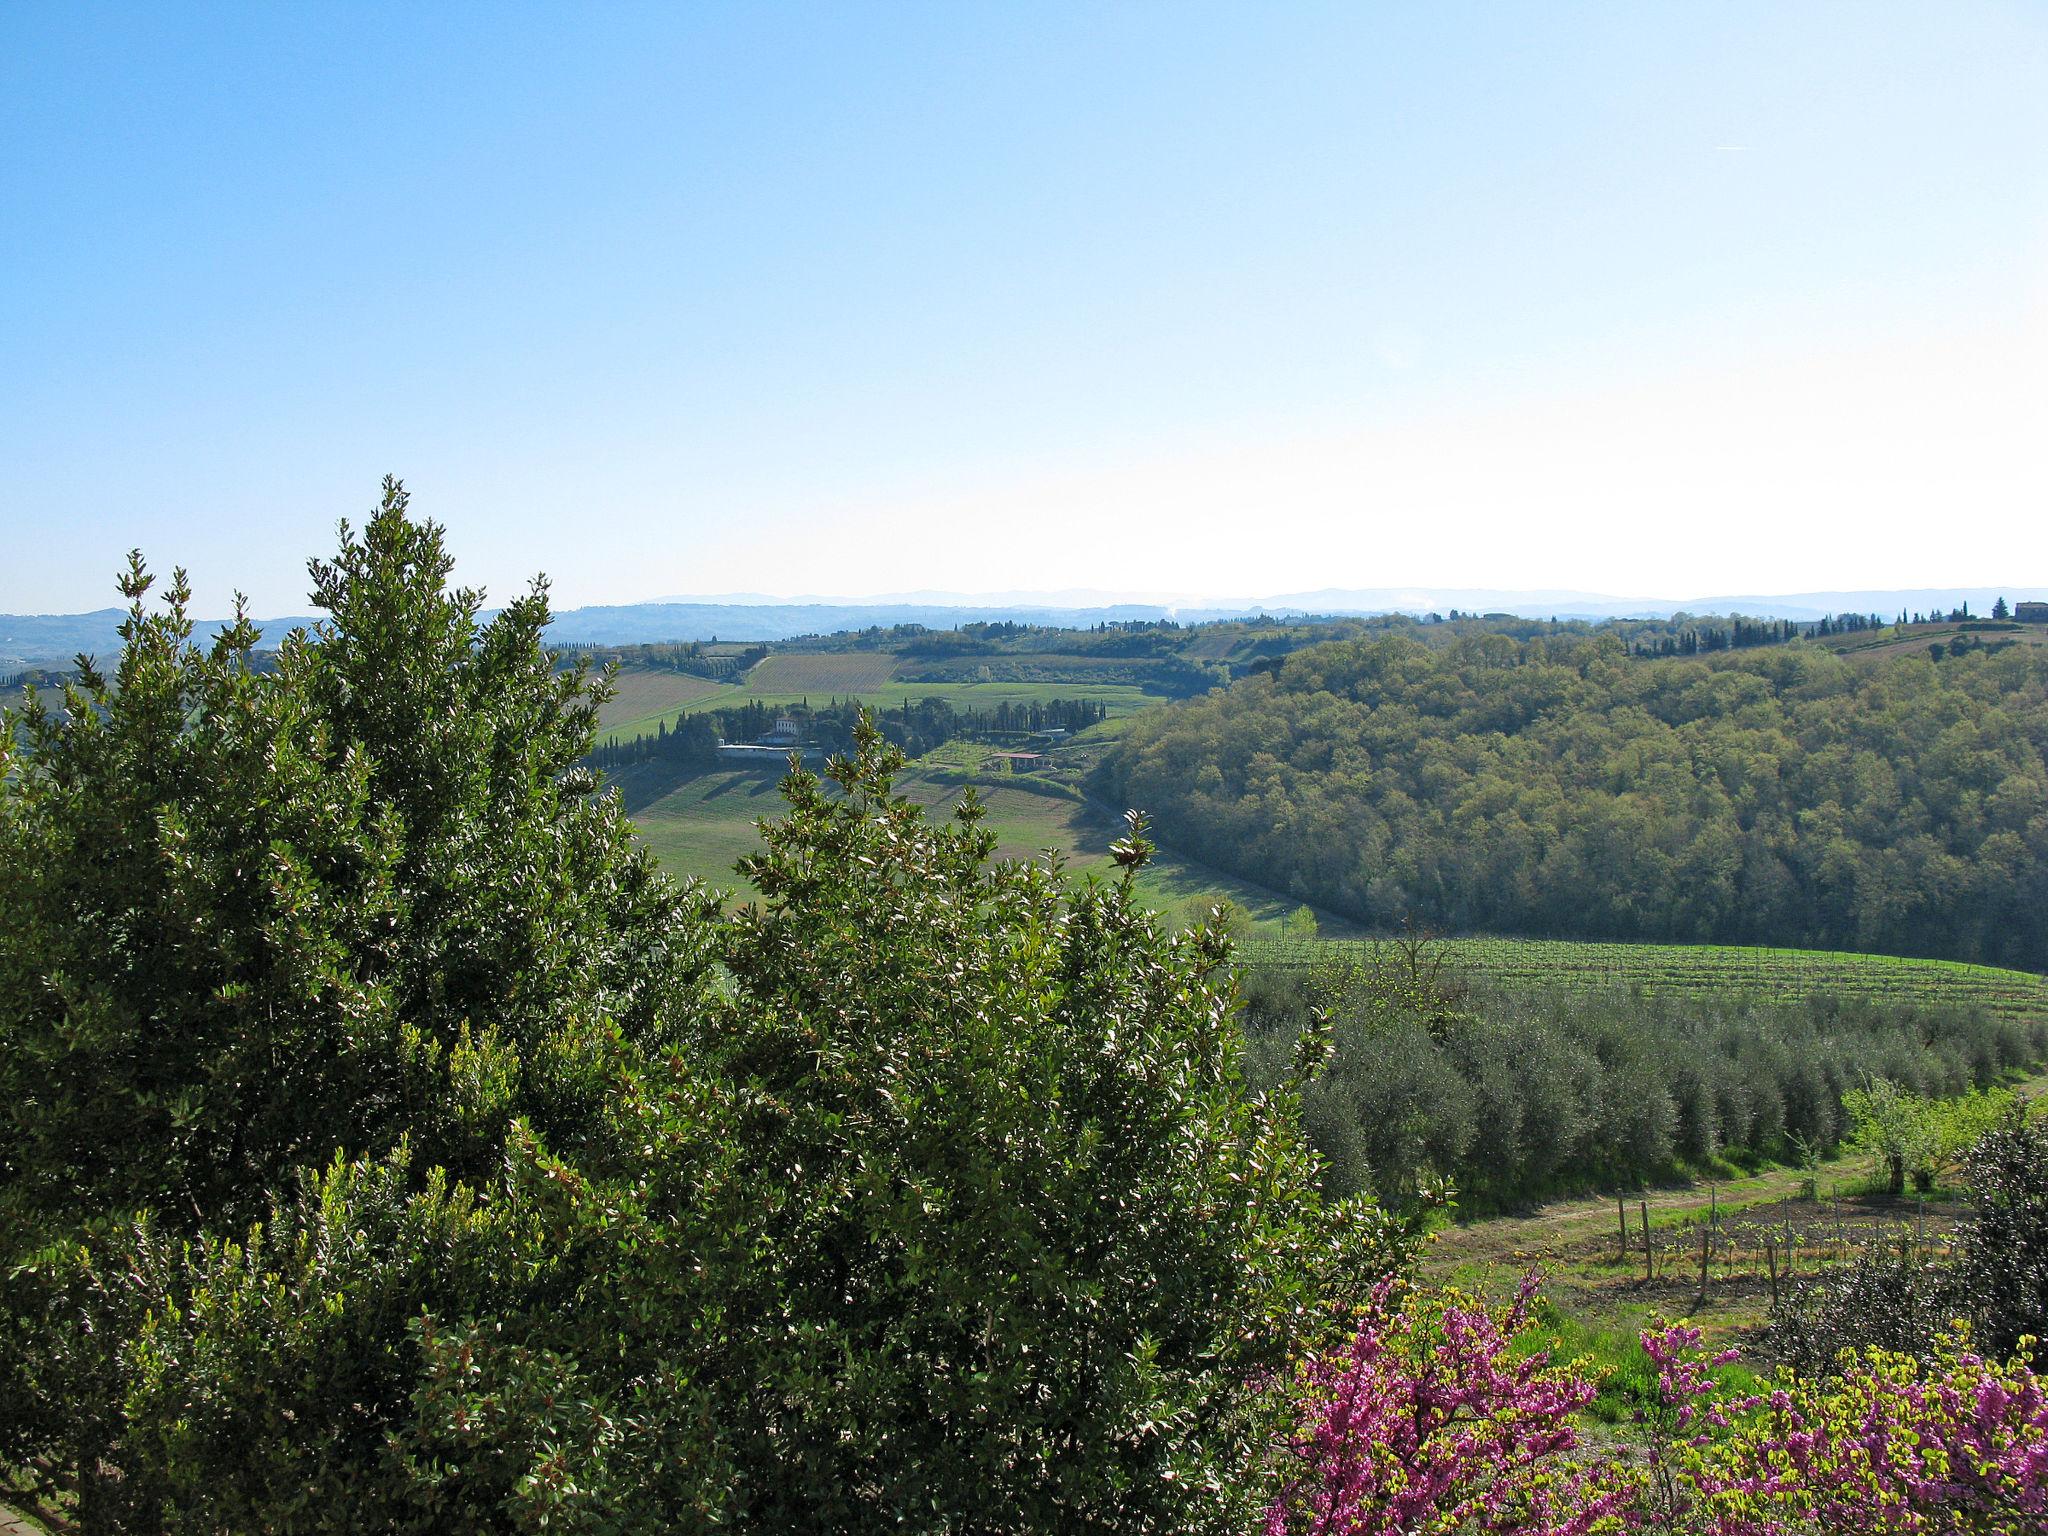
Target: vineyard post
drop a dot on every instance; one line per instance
(1621, 1214)
(1771, 1258)
(1649, 1253)
(1706, 1248)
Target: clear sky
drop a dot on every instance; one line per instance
(1657, 300)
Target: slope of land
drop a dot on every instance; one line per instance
(702, 823)
(1560, 785)
(1759, 1233)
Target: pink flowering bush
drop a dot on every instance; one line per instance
(1885, 1445)
(1427, 1423)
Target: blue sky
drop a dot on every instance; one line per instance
(1231, 300)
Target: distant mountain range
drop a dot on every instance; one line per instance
(44, 639)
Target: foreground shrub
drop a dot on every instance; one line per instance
(1429, 1423)
(460, 1201)
(1887, 1444)
(258, 909)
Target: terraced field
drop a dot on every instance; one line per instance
(1215, 644)
(1918, 637)
(1789, 973)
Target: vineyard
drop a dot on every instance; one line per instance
(1783, 973)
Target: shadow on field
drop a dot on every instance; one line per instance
(645, 784)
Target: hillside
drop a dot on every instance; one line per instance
(1557, 786)
(701, 823)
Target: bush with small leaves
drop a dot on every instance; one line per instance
(947, 1208)
(1886, 1446)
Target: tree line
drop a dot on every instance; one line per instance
(699, 658)
(1557, 786)
(1740, 634)
(913, 726)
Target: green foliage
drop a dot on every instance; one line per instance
(946, 1208)
(1902, 1299)
(1916, 1135)
(1300, 925)
(261, 910)
(258, 912)
(1555, 786)
(1512, 1095)
(1017, 1180)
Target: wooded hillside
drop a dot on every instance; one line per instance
(1557, 785)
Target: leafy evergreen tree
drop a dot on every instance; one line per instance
(380, 1155)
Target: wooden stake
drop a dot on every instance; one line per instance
(1706, 1247)
(1649, 1254)
(1621, 1214)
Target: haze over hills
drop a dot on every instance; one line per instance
(46, 639)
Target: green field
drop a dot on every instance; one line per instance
(651, 696)
(826, 674)
(1785, 973)
(1121, 698)
(701, 824)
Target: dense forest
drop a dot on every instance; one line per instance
(1558, 785)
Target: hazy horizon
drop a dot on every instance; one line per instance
(1415, 598)
(1193, 300)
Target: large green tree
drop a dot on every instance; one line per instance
(388, 1152)
(261, 907)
